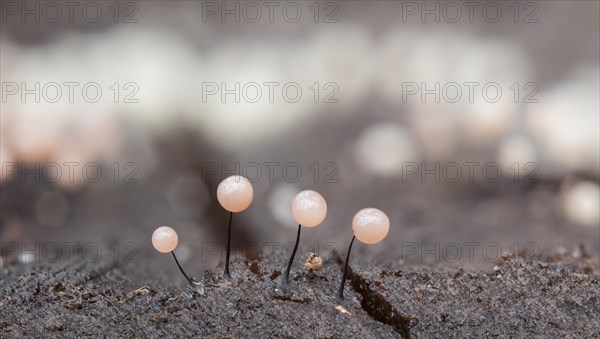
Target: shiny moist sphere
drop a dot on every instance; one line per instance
(309, 208)
(164, 239)
(370, 225)
(235, 193)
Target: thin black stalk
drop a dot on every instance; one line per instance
(182, 271)
(289, 266)
(340, 293)
(226, 274)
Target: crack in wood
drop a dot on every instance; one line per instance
(376, 305)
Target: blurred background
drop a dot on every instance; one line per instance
(119, 117)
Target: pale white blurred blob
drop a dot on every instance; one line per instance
(33, 136)
(493, 60)
(340, 71)
(279, 201)
(486, 121)
(396, 48)
(8, 169)
(452, 59)
(582, 204)
(566, 122)
(414, 58)
(72, 164)
(52, 209)
(8, 51)
(383, 148)
(437, 129)
(161, 81)
(518, 149)
(342, 55)
(497, 65)
(230, 124)
(445, 57)
(41, 130)
(27, 257)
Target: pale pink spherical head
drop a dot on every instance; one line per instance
(309, 208)
(370, 225)
(235, 193)
(164, 239)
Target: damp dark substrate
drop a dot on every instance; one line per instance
(514, 298)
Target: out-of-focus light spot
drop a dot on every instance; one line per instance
(345, 58)
(383, 148)
(487, 121)
(279, 201)
(437, 130)
(566, 122)
(516, 150)
(27, 257)
(582, 204)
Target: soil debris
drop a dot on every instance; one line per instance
(313, 262)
